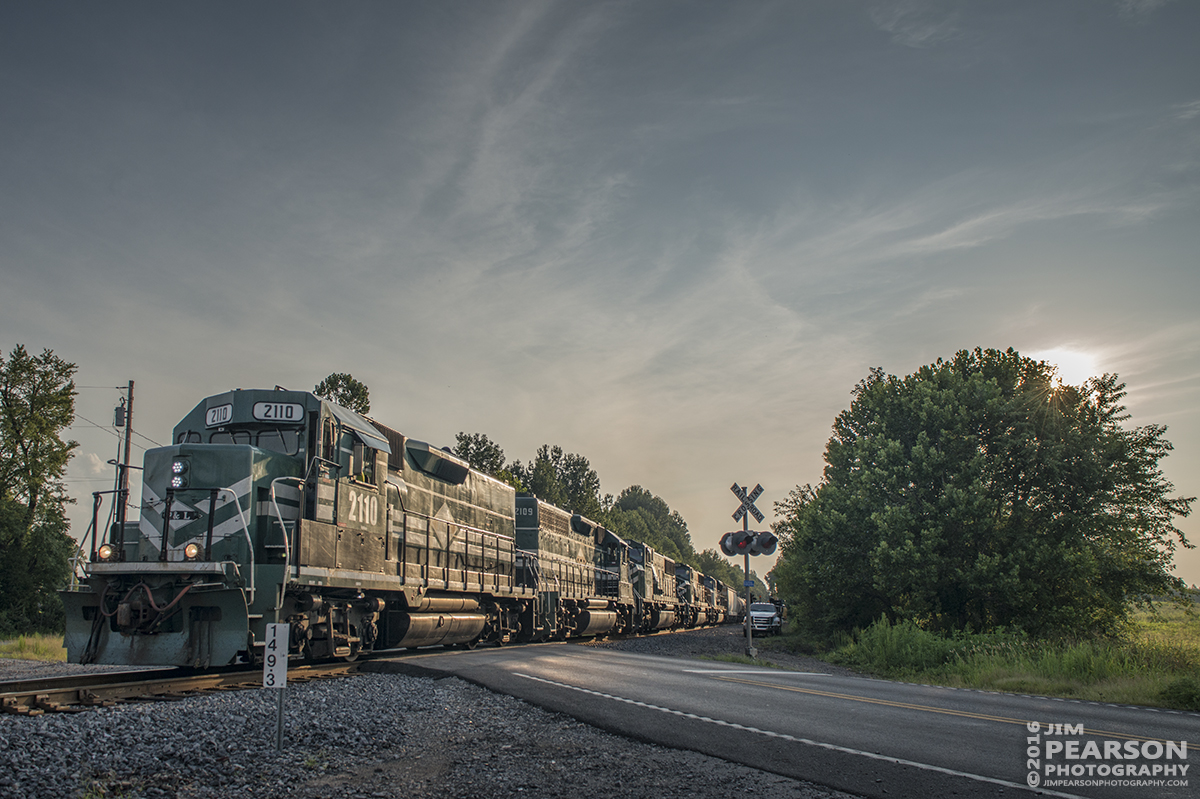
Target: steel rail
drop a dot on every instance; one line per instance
(78, 692)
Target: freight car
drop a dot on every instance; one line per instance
(280, 506)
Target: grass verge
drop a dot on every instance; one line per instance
(1157, 663)
(34, 647)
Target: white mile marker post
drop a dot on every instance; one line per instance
(275, 670)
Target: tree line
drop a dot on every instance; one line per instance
(975, 494)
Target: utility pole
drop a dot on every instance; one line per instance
(751, 652)
(123, 477)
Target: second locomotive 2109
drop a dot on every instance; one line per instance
(279, 506)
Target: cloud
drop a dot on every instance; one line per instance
(1139, 9)
(96, 466)
(1186, 111)
(915, 24)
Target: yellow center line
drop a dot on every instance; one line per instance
(925, 708)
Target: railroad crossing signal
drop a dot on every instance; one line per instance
(749, 542)
(747, 502)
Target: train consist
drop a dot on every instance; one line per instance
(279, 506)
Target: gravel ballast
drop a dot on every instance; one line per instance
(374, 735)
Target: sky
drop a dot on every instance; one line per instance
(669, 236)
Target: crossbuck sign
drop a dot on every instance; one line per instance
(747, 502)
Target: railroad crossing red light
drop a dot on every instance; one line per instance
(764, 544)
(736, 543)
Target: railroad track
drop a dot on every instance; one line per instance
(79, 692)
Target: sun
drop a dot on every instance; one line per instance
(1074, 366)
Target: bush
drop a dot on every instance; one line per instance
(900, 648)
(1183, 693)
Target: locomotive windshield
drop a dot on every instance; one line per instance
(273, 439)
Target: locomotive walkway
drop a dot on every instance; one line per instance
(870, 737)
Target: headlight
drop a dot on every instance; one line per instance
(191, 551)
(106, 552)
(179, 470)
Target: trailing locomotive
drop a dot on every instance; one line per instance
(279, 506)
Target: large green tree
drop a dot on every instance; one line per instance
(37, 401)
(343, 389)
(486, 456)
(645, 517)
(979, 493)
(564, 479)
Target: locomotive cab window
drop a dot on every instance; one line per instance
(328, 440)
(362, 463)
(230, 437)
(285, 441)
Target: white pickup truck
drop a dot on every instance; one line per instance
(765, 619)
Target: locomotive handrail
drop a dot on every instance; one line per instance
(495, 537)
(213, 492)
(562, 559)
(237, 503)
(287, 549)
(427, 517)
(95, 528)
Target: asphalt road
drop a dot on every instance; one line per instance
(871, 737)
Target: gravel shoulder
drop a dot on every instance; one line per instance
(369, 736)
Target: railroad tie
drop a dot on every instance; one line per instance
(10, 705)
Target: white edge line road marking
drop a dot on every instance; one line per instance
(768, 672)
(786, 737)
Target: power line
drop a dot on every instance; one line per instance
(108, 430)
(111, 432)
(148, 438)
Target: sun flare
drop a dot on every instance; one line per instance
(1074, 366)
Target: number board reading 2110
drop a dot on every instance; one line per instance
(278, 412)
